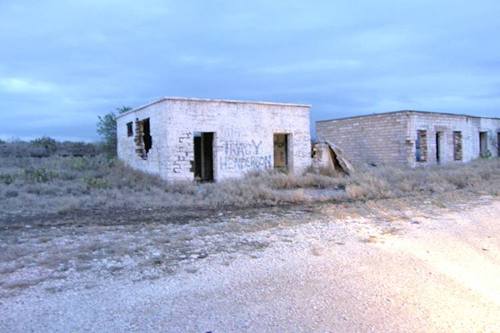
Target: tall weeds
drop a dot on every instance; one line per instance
(53, 184)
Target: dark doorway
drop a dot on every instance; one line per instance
(281, 151)
(203, 156)
(483, 144)
(498, 144)
(439, 146)
(147, 139)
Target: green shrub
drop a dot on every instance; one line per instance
(486, 154)
(39, 175)
(96, 183)
(49, 144)
(7, 179)
(78, 163)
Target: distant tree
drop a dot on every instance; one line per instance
(123, 109)
(47, 145)
(106, 128)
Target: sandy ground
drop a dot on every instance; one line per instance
(432, 273)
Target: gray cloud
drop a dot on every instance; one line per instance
(63, 63)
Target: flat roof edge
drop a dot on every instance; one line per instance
(404, 111)
(210, 100)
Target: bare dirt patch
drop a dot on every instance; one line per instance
(70, 250)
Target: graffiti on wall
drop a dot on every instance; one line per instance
(233, 152)
(240, 149)
(238, 155)
(229, 133)
(181, 157)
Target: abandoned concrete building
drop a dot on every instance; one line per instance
(413, 138)
(210, 140)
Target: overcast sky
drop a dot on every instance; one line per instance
(62, 63)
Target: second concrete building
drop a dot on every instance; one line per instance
(413, 138)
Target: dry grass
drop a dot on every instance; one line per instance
(150, 242)
(31, 186)
(57, 184)
(116, 222)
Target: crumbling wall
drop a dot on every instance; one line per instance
(132, 150)
(138, 139)
(330, 158)
(375, 140)
(393, 138)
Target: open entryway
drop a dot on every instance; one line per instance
(204, 156)
(498, 144)
(439, 146)
(483, 144)
(281, 141)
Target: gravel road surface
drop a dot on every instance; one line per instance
(431, 274)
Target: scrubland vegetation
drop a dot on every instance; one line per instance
(44, 176)
(70, 215)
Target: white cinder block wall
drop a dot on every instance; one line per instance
(375, 139)
(243, 136)
(390, 138)
(447, 124)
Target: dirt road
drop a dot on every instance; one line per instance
(436, 273)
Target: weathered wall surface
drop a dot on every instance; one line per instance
(492, 127)
(391, 138)
(126, 147)
(446, 124)
(377, 139)
(243, 136)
